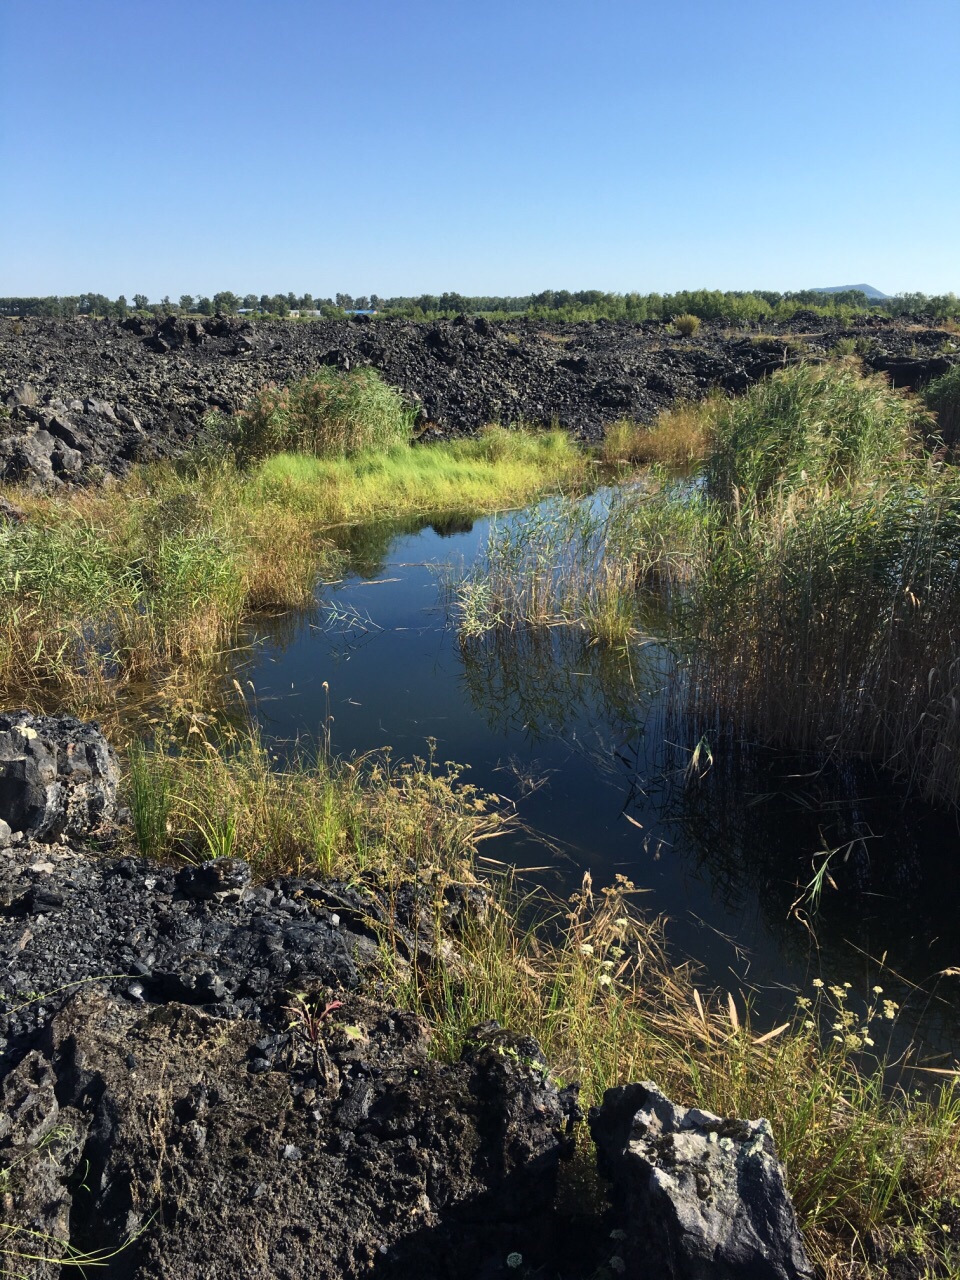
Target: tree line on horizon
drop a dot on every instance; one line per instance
(731, 306)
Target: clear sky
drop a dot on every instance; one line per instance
(484, 146)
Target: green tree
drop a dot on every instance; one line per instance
(186, 302)
(141, 301)
(226, 302)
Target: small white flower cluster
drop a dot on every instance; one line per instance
(851, 1030)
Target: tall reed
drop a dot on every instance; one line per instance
(943, 397)
(828, 612)
(809, 586)
(328, 413)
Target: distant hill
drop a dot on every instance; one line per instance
(868, 289)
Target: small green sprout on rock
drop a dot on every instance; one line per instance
(307, 1017)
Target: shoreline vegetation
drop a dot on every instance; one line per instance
(806, 573)
(146, 584)
(872, 1152)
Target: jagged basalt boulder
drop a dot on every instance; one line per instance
(701, 1198)
(357, 1155)
(58, 777)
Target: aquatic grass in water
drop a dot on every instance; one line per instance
(583, 562)
(150, 581)
(809, 588)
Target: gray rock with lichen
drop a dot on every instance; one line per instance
(58, 776)
(703, 1198)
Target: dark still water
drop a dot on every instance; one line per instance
(578, 737)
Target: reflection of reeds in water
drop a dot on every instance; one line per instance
(577, 563)
(540, 681)
(810, 583)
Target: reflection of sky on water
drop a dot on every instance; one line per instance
(575, 735)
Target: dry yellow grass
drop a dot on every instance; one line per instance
(678, 437)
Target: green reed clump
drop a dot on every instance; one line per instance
(328, 414)
(828, 611)
(809, 587)
(943, 397)
(94, 593)
(808, 427)
(834, 624)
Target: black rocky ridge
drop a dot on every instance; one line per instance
(199, 1080)
(81, 400)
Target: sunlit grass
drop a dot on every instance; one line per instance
(224, 792)
(678, 437)
(593, 982)
(102, 590)
(499, 468)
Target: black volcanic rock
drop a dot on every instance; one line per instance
(87, 398)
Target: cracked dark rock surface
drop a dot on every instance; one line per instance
(85, 399)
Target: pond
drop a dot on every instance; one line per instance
(579, 738)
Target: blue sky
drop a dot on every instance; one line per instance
(403, 146)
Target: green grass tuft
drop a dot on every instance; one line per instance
(328, 414)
